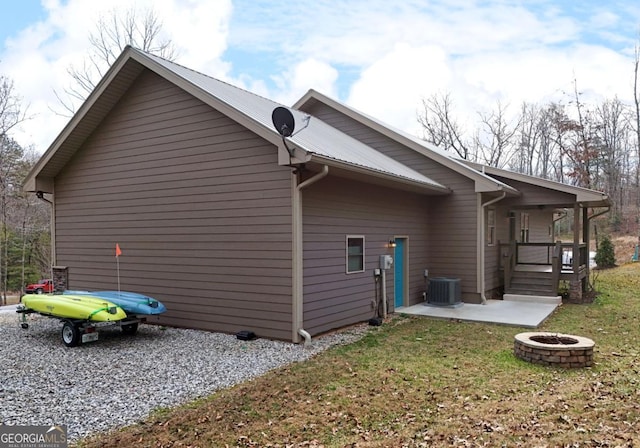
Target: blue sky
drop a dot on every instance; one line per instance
(378, 56)
(17, 15)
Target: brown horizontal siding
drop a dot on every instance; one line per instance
(540, 222)
(198, 205)
(493, 253)
(453, 227)
(334, 208)
(532, 195)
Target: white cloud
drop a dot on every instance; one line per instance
(391, 89)
(308, 74)
(382, 57)
(37, 58)
(200, 31)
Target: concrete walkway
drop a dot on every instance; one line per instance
(504, 312)
(8, 309)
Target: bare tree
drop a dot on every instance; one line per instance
(636, 100)
(585, 146)
(440, 126)
(523, 158)
(494, 141)
(113, 32)
(11, 110)
(11, 115)
(613, 131)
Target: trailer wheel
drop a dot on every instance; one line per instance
(24, 325)
(130, 329)
(70, 334)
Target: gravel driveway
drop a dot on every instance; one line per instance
(118, 380)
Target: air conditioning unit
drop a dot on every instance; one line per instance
(444, 292)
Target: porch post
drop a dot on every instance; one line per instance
(576, 239)
(586, 237)
(575, 285)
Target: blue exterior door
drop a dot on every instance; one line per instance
(398, 272)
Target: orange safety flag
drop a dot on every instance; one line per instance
(118, 251)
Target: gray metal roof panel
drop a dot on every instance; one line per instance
(317, 138)
(483, 182)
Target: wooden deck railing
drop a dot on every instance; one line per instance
(556, 267)
(542, 254)
(559, 256)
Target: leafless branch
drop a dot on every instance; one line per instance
(440, 126)
(112, 34)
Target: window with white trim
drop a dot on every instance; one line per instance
(491, 227)
(355, 253)
(524, 227)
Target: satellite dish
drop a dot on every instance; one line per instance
(283, 121)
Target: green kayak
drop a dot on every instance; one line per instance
(73, 307)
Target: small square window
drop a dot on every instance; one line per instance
(355, 254)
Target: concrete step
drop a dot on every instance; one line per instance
(529, 284)
(529, 291)
(535, 282)
(546, 299)
(531, 274)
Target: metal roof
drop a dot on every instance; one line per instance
(592, 198)
(317, 138)
(251, 110)
(483, 183)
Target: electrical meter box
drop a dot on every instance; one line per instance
(386, 261)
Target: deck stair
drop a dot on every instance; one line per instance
(532, 283)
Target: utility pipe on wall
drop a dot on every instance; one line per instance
(481, 242)
(297, 254)
(384, 292)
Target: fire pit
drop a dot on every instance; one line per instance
(554, 349)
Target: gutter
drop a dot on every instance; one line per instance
(482, 245)
(297, 256)
(379, 174)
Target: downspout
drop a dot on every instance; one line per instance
(297, 255)
(482, 244)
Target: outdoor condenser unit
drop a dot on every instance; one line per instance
(444, 291)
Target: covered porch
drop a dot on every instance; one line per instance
(537, 268)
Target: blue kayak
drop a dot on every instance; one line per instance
(132, 303)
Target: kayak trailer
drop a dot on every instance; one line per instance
(79, 331)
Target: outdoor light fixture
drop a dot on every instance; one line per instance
(392, 242)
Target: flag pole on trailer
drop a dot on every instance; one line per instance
(118, 253)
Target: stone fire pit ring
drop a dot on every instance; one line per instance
(554, 349)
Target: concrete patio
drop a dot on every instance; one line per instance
(519, 313)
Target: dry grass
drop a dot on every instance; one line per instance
(422, 382)
(625, 246)
(13, 298)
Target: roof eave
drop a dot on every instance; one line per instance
(410, 184)
(130, 54)
(30, 183)
(584, 196)
(483, 183)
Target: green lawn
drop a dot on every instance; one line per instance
(423, 382)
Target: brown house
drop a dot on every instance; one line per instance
(234, 227)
